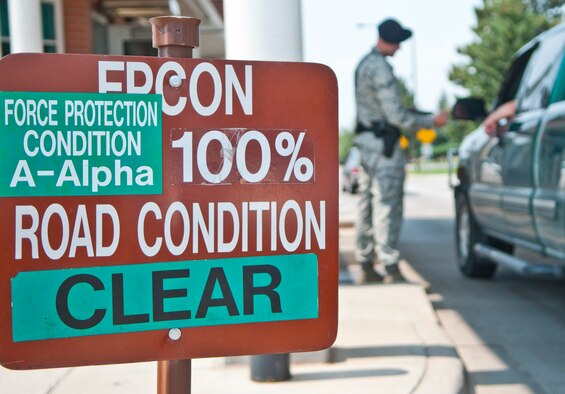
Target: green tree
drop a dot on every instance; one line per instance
(345, 143)
(551, 8)
(502, 27)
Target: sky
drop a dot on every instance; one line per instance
(341, 34)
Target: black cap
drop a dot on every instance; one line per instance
(391, 32)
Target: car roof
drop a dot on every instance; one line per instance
(534, 41)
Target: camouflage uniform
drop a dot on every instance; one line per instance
(382, 178)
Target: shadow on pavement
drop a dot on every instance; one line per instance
(341, 354)
(348, 374)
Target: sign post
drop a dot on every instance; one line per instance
(174, 37)
(165, 208)
(426, 137)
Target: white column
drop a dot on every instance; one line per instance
(25, 26)
(263, 30)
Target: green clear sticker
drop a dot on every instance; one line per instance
(81, 302)
(80, 144)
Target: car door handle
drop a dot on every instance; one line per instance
(545, 208)
(516, 203)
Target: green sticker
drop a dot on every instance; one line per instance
(80, 144)
(141, 297)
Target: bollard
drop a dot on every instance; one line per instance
(174, 37)
(270, 367)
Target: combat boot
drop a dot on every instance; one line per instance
(370, 275)
(394, 275)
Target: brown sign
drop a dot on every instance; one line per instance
(165, 209)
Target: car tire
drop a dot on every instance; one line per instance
(468, 233)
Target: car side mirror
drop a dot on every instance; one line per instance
(469, 109)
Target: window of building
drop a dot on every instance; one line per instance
(4, 28)
(49, 24)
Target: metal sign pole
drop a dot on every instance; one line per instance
(174, 37)
(174, 377)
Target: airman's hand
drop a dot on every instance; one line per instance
(440, 119)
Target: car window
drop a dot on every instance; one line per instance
(540, 75)
(558, 93)
(513, 76)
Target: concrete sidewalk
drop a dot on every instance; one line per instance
(389, 341)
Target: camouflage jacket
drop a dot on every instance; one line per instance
(377, 95)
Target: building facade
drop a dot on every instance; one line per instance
(114, 27)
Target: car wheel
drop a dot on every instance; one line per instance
(468, 233)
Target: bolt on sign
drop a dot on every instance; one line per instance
(165, 209)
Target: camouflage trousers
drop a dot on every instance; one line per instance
(381, 185)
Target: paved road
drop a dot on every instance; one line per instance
(509, 331)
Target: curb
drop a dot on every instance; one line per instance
(444, 372)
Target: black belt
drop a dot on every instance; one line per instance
(389, 134)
